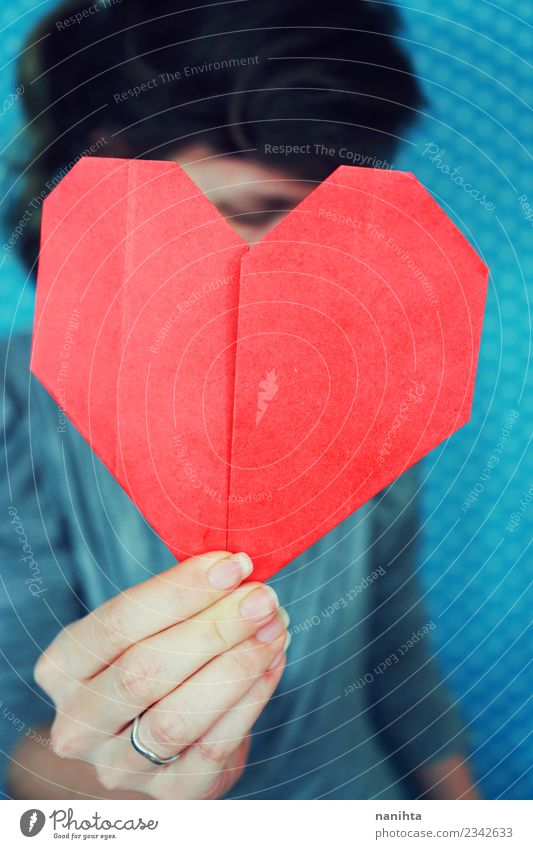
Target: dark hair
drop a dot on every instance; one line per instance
(292, 72)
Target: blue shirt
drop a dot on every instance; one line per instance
(360, 706)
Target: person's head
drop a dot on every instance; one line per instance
(258, 101)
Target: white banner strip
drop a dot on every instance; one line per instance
(269, 825)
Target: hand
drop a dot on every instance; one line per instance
(448, 778)
(198, 655)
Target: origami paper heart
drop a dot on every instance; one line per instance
(251, 399)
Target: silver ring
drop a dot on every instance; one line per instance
(142, 750)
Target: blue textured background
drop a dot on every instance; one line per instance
(472, 61)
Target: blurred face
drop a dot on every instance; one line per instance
(251, 195)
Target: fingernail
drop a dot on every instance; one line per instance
(260, 603)
(286, 621)
(230, 572)
(269, 632)
(285, 616)
(276, 661)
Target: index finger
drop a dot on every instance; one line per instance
(88, 645)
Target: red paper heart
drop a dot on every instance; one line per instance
(251, 399)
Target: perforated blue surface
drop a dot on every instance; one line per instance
(477, 559)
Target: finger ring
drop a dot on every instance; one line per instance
(142, 750)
